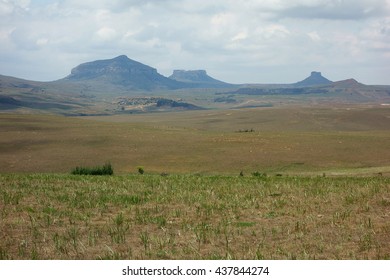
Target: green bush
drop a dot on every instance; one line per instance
(98, 170)
(141, 170)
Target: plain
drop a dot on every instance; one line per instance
(271, 140)
(260, 183)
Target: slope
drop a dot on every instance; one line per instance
(198, 78)
(123, 72)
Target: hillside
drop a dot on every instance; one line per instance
(315, 89)
(93, 88)
(124, 72)
(198, 78)
(349, 83)
(315, 79)
(152, 104)
(39, 97)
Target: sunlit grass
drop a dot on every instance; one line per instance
(193, 217)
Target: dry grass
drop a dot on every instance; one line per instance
(50, 216)
(193, 217)
(285, 140)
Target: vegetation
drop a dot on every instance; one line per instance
(285, 141)
(293, 188)
(106, 169)
(259, 174)
(48, 216)
(141, 170)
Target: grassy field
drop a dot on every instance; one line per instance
(326, 193)
(283, 140)
(49, 216)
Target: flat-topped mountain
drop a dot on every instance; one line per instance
(122, 71)
(92, 88)
(315, 79)
(198, 78)
(316, 86)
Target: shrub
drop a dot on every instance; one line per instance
(141, 170)
(98, 170)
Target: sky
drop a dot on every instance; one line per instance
(263, 41)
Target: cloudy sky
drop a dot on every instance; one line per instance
(262, 41)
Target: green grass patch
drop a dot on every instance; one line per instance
(245, 224)
(106, 169)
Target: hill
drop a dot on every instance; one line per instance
(315, 79)
(349, 83)
(124, 72)
(31, 96)
(198, 78)
(152, 104)
(316, 87)
(93, 88)
(84, 97)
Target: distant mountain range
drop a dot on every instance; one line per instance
(127, 74)
(122, 85)
(124, 72)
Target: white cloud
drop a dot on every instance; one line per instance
(275, 30)
(106, 34)
(235, 38)
(8, 7)
(240, 36)
(313, 35)
(42, 42)
(334, 9)
(5, 8)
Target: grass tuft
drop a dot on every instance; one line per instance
(106, 169)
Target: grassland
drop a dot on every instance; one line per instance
(284, 140)
(326, 194)
(49, 216)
